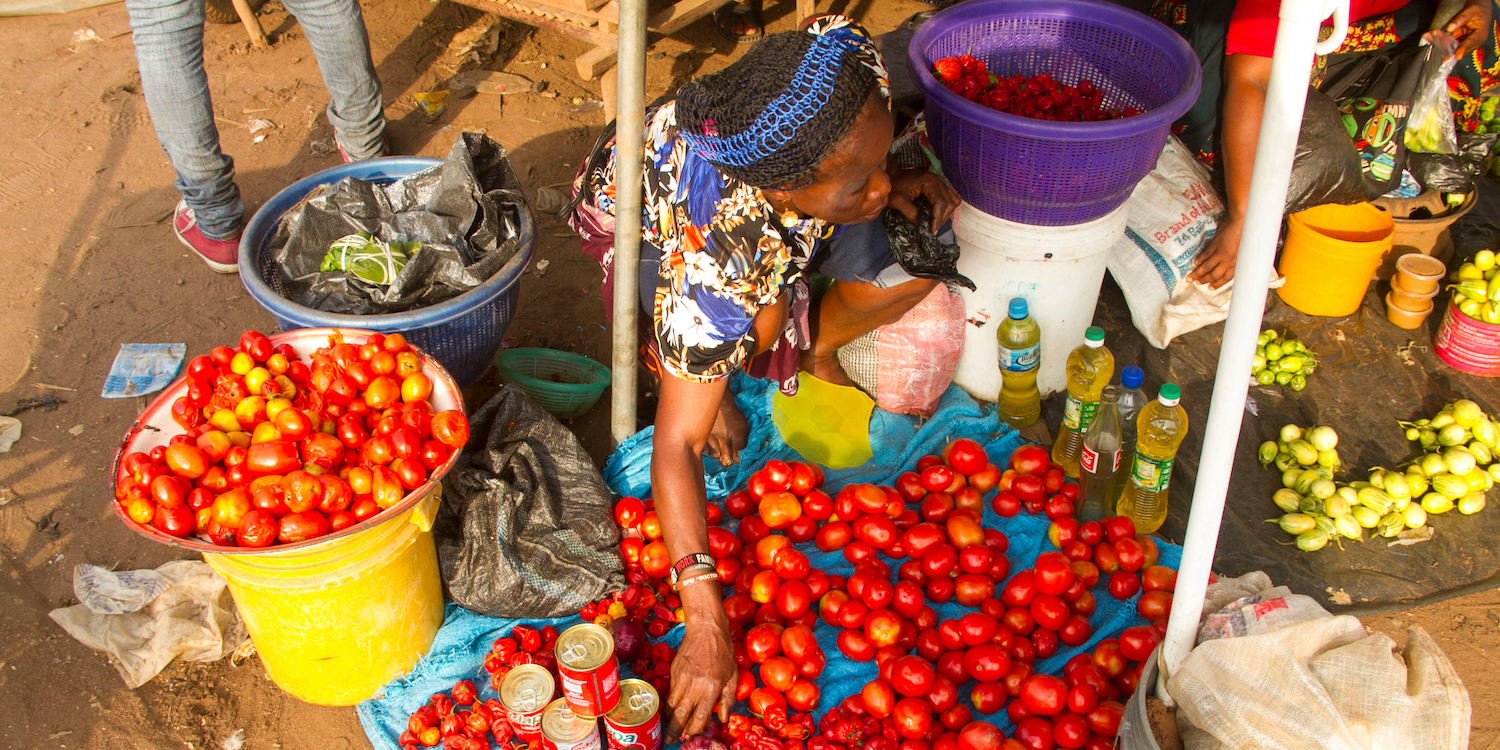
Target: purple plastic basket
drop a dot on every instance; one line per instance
(1041, 172)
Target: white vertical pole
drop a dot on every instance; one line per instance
(630, 119)
(1296, 40)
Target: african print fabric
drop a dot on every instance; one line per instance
(722, 261)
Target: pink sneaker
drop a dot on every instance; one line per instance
(345, 154)
(222, 256)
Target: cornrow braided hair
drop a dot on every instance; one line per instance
(773, 116)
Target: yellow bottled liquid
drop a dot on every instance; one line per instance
(1159, 432)
(1019, 341)
(1089, 369)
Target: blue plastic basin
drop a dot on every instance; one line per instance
(462, 333)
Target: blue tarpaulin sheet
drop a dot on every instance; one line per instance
(898, 441)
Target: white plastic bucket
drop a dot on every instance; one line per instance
(1057, 269)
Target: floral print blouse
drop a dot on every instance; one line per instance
(720, 265)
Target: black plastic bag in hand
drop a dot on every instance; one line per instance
(917, 249)
(526, 528)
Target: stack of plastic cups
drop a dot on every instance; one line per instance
(1412, 288)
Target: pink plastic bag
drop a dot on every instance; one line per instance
(907, 365)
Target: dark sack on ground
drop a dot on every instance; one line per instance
(525, 529)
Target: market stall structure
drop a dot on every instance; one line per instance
(1214, 447)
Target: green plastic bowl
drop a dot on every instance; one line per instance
(565, 384)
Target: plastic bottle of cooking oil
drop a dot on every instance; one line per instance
(1020, 349)
(1132, 400)
(1159, 430)
(1100, 461)
(1089, 369)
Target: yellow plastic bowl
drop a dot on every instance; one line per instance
(827, 424)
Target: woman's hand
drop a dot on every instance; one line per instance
(1215, 264)
(703, 672)
(1471, 26)
(907, 184)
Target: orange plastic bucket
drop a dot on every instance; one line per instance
(1330, 257)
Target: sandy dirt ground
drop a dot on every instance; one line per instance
(90, 262)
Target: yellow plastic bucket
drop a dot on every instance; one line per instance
(1330, 256)
(334, 622)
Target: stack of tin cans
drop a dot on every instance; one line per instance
(591, 690)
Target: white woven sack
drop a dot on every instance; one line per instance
(1173, 214)
(1306, 680)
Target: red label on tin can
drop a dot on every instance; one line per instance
(588, 670)
(592, 692)
(588, 742)
(526, 726)
(646, 737)
(525, 694)
(635, 724)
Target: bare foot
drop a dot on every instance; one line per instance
(730, 432)
(740, 22)
(825, 368)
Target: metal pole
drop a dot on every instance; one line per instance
(1296, 39)
(630, 145)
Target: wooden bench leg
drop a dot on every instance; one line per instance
(252, 24)
(806, 9)
(608, 85)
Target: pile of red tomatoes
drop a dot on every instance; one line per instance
(1039, 97)
(1036, 485)
(648, 599)
(277, 450)
(929, 528)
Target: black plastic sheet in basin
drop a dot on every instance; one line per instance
(465, 211)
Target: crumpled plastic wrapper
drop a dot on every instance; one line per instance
(10, 432)
(465, 212)
(146, 618)
(1454, 173)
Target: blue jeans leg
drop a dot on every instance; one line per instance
(336, 31)
(169, 51)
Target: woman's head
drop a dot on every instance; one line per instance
(803, 116)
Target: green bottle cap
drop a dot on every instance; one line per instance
(1094, 337)
(1170, 394)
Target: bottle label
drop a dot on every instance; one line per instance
(1021, 360)
(1089, 459)
(1151, 474)
(1078, 415)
